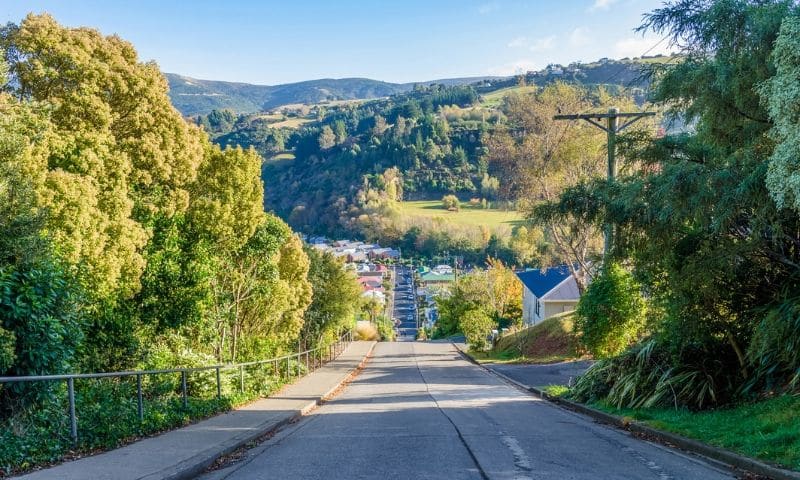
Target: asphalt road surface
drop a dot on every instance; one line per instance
(419, 411)
(561, 373)
(404, 310)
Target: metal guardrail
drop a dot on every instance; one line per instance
(313, 360)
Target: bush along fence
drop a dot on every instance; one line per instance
(254, 377)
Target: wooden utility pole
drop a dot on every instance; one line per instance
(611, 127)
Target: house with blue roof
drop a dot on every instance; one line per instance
(547, 292)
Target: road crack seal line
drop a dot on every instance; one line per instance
(461, 438)
(521, 460)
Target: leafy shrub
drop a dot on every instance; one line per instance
(477, 325)
(774, 350)
(8, 342)
(385, 328)
(610, 315)
(107, 417)
(163, 356)
(367, 331)
(650, 374)
(38, 311)
(450, 202)
(422, 334)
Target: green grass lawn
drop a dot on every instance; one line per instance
(467, 215)
(291, 123)
(494, 99)
(768, 430)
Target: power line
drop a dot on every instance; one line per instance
(624, 67)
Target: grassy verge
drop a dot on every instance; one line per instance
(550, 341)
(768, 430)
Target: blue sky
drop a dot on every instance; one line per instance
(271, 42)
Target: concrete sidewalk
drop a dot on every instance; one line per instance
(186, 452)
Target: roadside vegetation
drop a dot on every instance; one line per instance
(552, 340)
(694, 315)
(767, 429)
(481, 301)
(129, 241)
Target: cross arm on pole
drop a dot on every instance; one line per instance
(634, 119)
(594, 118)
(611, 127)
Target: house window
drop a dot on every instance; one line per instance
(537, 307)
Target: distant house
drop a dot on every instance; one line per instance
(370, 283)
(384, 253)
(431, 278)
(322, 247)
(357, 256)
(547, 292)
(376, 295)
(442, 269)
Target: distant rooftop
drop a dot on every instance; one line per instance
(433, 277)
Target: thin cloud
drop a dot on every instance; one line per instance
(519, 42)
(542, 44)
(488, 8)
(579, 37)
(601, 5)
(514, 68)
(534, 45)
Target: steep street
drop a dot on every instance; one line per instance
(404, 309)
(418, 410)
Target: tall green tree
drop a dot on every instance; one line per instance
(41, 315)
(694, 212)
(336, 298)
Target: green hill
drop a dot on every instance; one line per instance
(192, 96)
(196, 97)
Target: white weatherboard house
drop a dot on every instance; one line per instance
(547, 292)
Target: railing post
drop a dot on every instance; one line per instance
(276, 370)
(288, 367)
(183, 389)
(241, 378)
(219, 386)
(73, 420)
(139, 400)
(307, 365)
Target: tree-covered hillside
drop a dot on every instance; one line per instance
(199, 97)
(340, 169)
(192, 96)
